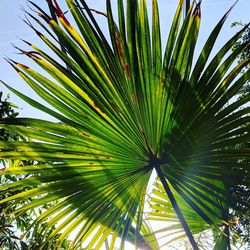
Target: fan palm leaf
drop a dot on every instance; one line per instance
(162, 210)
(126, 107)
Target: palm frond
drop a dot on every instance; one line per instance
(122, 107)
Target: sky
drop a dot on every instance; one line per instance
(13, 28)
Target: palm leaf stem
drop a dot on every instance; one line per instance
(107, 244)
(227, 232)
(157, 166)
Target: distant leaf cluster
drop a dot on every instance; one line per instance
(7, 111)
(244, 39)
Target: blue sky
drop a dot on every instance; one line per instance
(13, 28)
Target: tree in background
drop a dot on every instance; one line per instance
(245, 54)
(13, 230)
(7, 111)
(241, 193)
(8, 236)
(126, 108)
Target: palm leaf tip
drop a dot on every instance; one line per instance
(126, 107)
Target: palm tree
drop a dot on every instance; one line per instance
(125, 108)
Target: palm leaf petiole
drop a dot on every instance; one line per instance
(156, 164)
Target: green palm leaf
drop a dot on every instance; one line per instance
(125, 109)
(162, 210)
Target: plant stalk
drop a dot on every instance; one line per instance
(106, 244)
(227, 232)
(176, 207)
